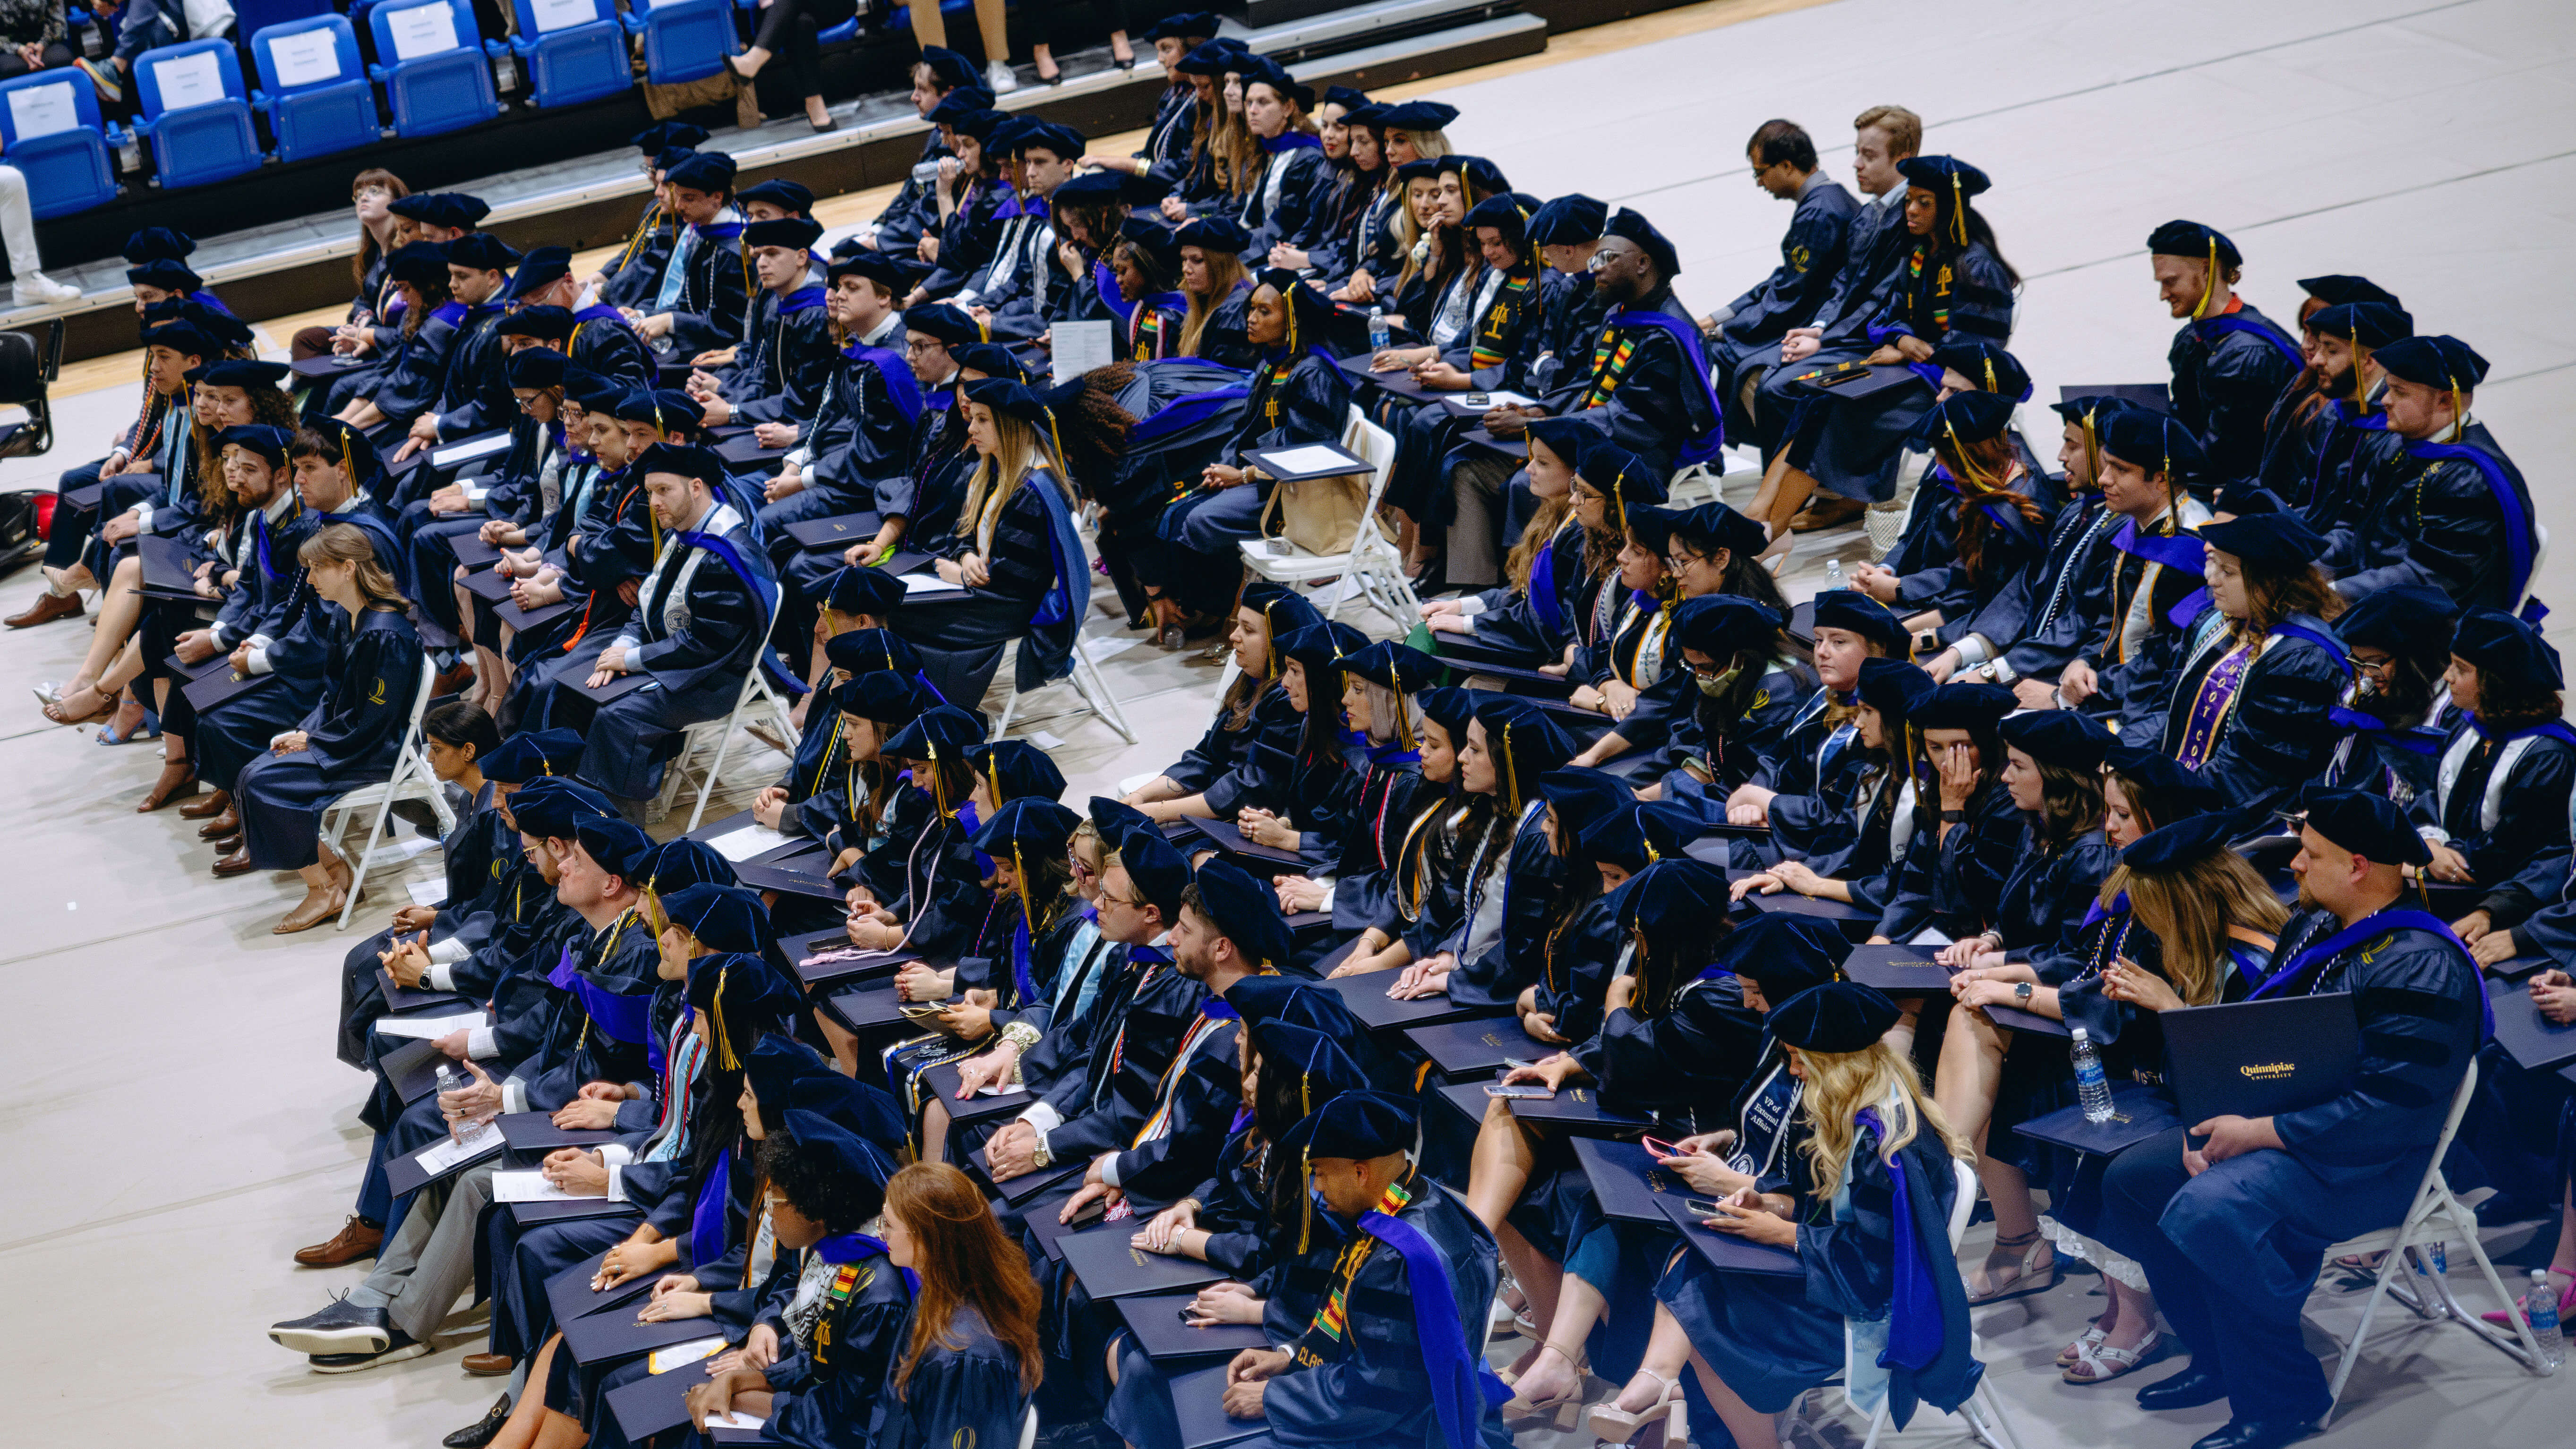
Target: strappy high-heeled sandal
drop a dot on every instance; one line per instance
(1561, 1410)
(1614, 1425)
(2022, 1283)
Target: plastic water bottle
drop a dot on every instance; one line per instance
(1378, 335)
(448, 1081)
(2542, 1307)
(2091, 1087)
(2439, 1256)
(1834, 574)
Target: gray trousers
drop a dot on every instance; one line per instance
(430, 1258)
(1475, 536)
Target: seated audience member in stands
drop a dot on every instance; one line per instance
(2230, 362)
(2447, 508)
(2231, 1232)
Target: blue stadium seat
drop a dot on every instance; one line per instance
(50, 130)
(314, 92)
(250, 17)
(195, 113)
(684, 40)
(578, 54)
(431, 64)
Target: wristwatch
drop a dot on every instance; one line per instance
(1039, 1156)
(2021, 993)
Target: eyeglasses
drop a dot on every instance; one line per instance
(2377, 668)
(1107, 899)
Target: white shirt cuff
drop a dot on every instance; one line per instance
(615, 1154)
(2433, 834)
(447, 952)
(439, 978)
(514, 1095)
(1109, 1169)
(256, 661)
(1327, 906)
(215, 631)
(480, 1043)
(143, 515)
(616, 1175)
(1044, 1118)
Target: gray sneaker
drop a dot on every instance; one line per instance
(35, 288)
(343, 1327)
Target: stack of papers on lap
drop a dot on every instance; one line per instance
(428, 1027)
(928, 584)
(749, 841)
(532, 1186)
(1313, 460)
(482, 1142)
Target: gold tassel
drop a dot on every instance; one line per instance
(2210, 288)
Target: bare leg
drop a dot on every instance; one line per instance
(1499, 1170)
(1970, 1070)
(1796, 487)
(1044, 55)
(1559, 1375)
(560, 1431)
(119, 611)
(519, 1431)
(1668, 1353)
(72, 579)
(1750, 1426)
(928, 26)
(845, 1047)
(989, 22)
(934, 1131)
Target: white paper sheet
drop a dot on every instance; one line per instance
(1505, 398)
(1078, 347)
(428, 892)
(480, 1143)
(421, 30)
(663, 1360)
(741, 845)
(532, 1186)
(554, 15)
(303, 59)
(927, 584)
(191, 80)
(1298, 461)
(472, 448)
(43, 111)
(428, 1028)
(731, 1420)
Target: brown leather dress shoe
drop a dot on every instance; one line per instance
(318, 906)
(178, 781)
(356, 1239)
(234, 862)
(215, 804)
(454, 679)
(487, 1365)
(230, 844)
(228, 823)
(48, 607)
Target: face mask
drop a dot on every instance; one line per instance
(1713, 685)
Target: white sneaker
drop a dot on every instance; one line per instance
(37, 287)
(998, 75)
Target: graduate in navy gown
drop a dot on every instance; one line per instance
(2497, 815)
(2448, 507)
(1489, 950)
(2230, 362)
(970, 1361)
(1894, 804)
(370, 678)
(1805, 788)
(2251, 696)
(2232, 1230)
(2398, 714)
(1391, 1355)
(1875, 1297)
(1213, 778)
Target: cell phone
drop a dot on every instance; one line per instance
(1701, 1206)
(1515, 1063)
(1518, 1090)
(918, 1009)
(1661, 1148)
(1478, 400)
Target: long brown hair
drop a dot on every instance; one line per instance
(347, 543)
(2272, 595)
(2189, 910)
(368, 251)
(2503, 709)
(2070, 803)
(1973, 461)
(964, 1261)
(1224, 270)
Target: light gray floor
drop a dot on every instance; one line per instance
(172, 1123)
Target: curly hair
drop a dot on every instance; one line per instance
(813, 1184)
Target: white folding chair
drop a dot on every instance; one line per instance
(719, 734)
(1371, 562)
(1087, 684)
(2436, 1216)
(412, 779)
(1983, 1410)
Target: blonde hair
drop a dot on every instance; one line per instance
(1409, 233)
(1018, 448)
(349, 544)
(1224, 269)
(1842, 1085)
(1238, 152)
(2189, 910)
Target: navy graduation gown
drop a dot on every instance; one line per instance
(2227, 372)
(968, 1394)
(2275, 736)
